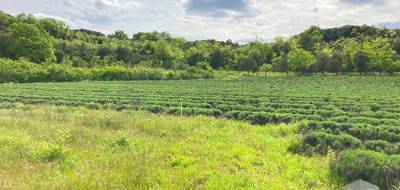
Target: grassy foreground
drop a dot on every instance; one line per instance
(46, 147)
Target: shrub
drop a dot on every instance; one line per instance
(93, 106)
(377, 168)
(382, 146)
(260, 118)
(154, 108)
(321, 142)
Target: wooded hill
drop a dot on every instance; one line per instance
(338, 50)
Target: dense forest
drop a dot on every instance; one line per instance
(34, 49)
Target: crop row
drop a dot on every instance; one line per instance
(362, 109)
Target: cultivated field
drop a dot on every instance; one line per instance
(366, 108)
(319, 118)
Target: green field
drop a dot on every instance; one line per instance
(289, 131)
(44, 147)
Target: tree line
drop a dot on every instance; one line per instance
(344, 49)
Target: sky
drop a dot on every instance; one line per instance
(238, 20)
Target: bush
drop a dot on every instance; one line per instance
(377, 168)
(260, 118)
(94, 106)
(24, 71)
(154, 108)
(320, 143)
(21, 71)
(62, 73)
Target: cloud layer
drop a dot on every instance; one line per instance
(217, 8)
(218, 19)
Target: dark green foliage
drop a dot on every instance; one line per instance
(361, 61)
(322, 63)
(311, 38)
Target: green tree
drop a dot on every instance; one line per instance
(123, 54)
(167, 56)
(120, 35)
(248, 61)
(382, 55)
(281, 47)
(55, 28)
(311, 38)
(27, 40)
(300, 60)
(194, 56)
(217, 59)
(323, 60)
(337, 61)
(361, 61)
(266, 68)
(280, 64)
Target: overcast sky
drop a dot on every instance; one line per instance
(218, 19)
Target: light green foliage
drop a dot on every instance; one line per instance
(25, 71)
(55, 28)
(266, 68)
(300, 60)
(166, 55)
(29, 41)
(147, 152)
(382, 55)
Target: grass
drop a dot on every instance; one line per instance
(47, 147)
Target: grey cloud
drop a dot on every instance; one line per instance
(218, 8)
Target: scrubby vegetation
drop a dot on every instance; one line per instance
(44, 147)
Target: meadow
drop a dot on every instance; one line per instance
(49, 147)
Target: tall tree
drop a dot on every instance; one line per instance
(310, 38)
(280, 64)
(382, 55)
(323, 60)
(337, 61)
(300, 60)
(27, 40)
(361, 61)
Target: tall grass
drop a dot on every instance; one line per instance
(44, 147)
